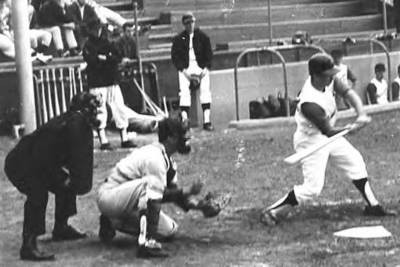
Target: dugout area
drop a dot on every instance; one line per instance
(248, 164)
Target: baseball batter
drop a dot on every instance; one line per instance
(315, 117)
(130, 198)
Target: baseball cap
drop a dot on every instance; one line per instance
(188, 16)
(322, 64)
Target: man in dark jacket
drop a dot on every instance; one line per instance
(191, 54)
(102, 60)
(57, 158)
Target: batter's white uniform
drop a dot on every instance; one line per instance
(137, 178)
(381, 90)
(184, 83)
(341, 153)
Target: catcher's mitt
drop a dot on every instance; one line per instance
(212, 204)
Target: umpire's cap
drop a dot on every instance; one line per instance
(322, 64)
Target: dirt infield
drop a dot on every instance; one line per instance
(249, 165)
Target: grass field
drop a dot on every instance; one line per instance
(249, 165)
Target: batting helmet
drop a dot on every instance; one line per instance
(322, 64)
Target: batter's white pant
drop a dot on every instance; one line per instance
(122, 114)
(120, 202)
(342, 156)
(184, 91)
(112, 96)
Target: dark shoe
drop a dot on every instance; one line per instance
(151, 249)
(128, 144)
(378, 211)
(106, 146)
(106, 231)
(29, 251)
(67, 233)
(208, 127)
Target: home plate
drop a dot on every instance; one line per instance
(364, 232)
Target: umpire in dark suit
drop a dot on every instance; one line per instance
(57, 158)
(191, 54)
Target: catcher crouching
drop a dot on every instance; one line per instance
(130, 198)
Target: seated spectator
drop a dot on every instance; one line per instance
(106, 15)
(396, 86)
(126, 44)
(345, 75)
(53, 17)
(82, 14)
(378, 87)
(40, 39)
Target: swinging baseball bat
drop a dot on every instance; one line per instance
(298, 156)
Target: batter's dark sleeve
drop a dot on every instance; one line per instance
(207, 51)
(178, 53)
(314, 113)
(371, 90)
(80, 154)
(90, 54)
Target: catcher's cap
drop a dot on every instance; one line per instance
(172, 126)
(322, 64)
(188, 17)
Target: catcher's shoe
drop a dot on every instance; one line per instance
(106, 147)
(378, 211)
(268, 218)
(67, 232)
(106, 231)
(128, 144)
(151, 249)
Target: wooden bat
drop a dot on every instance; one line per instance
(296, 157)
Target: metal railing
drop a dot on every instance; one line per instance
(275, 51)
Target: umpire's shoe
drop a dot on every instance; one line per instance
(378, 211)
(30, 251)
(106, 231)
(151, 249)
(67, 232)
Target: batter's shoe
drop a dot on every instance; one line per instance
(268, 218)
(378, 211)
(106, 147)
(208, 127)
(151, 249)
(106, 231)
(29, 251)
(67, 232)
(128, 144)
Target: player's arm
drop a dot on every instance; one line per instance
(314, 113)
(79, 154)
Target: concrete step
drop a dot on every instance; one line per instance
(144, 20)
(157, 6)
(116, 4)
(166, 46)
(260, 14)
(317, 40)
(253, 31)
(226, 33)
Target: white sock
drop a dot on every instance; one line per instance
(370, 195)
(124, 134)
(184, 115)
(143, 230)
(207, 115)
(102, 136)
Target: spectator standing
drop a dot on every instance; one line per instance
(191, 54)
(378, 87)
(396, 85)
(53, 14)
(102, 60)
(82, 14)
(345, 75)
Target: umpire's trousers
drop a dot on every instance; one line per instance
(36, 188)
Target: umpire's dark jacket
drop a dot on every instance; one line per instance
(64, 142)
(101, 73)
(201, 46)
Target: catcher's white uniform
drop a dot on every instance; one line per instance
(137, 178)
(341, 153)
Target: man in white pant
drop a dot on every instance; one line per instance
(130, 198)
(192, 54)
(315, 117)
